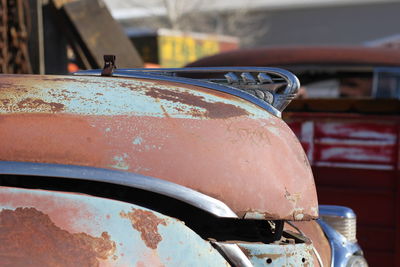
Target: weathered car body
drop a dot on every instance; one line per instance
(207, 174)
(352, 143)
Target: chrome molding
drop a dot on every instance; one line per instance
(234, 254)
(128, 179)
(270, 88)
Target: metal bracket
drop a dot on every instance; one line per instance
(109, 65)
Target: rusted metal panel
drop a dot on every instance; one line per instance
(278, 254)
(44, 228)
(209, 141)
(313, 231)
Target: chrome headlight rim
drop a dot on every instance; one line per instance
(342, 219)
(342, 250)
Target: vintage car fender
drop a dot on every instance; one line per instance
(211, 141)
(48, 228)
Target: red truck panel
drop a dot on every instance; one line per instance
(355, 164)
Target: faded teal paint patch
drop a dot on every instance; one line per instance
(120, 162)
(137, 141)
(279, 254)
(110, 96)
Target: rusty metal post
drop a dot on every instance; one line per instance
(14, 27)
(3, 36)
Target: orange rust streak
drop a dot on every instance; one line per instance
(62, 213)
(38, 103)
(29, 238)
(147, 224)
(218, 110)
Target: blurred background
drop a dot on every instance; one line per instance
(345, 54)
(61, 36)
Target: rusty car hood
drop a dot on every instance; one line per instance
(209, 141)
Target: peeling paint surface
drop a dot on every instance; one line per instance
(147, 224)
(45, 228)
(54, 246)
(208, 141)
(278, 254)
(313, 231)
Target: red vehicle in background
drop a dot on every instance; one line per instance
(347, 119)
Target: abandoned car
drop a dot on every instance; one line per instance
(136, 167)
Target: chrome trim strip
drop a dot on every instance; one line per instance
(340, 211)
(133, 180)
(280, 99)
(234, 254)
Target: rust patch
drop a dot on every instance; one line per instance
(268, 256)
(5, 102)
(218, 110)
(29, 238)
(147, 224)
(67, 79)
(35, 103)
(131, 86)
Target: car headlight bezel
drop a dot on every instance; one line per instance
(342, 219)
(344, 252)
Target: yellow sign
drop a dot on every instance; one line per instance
(178, 50)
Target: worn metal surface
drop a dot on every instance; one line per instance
(275, 86)
(43, 228)
(278, 254)
(206, 140)
(313, 231)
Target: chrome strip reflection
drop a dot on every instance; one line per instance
(234, 254)
(128, 179)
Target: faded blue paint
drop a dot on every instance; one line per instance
(120, 162)
(278, 254)
(179, 246)
(110, 96)
(137, 141)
